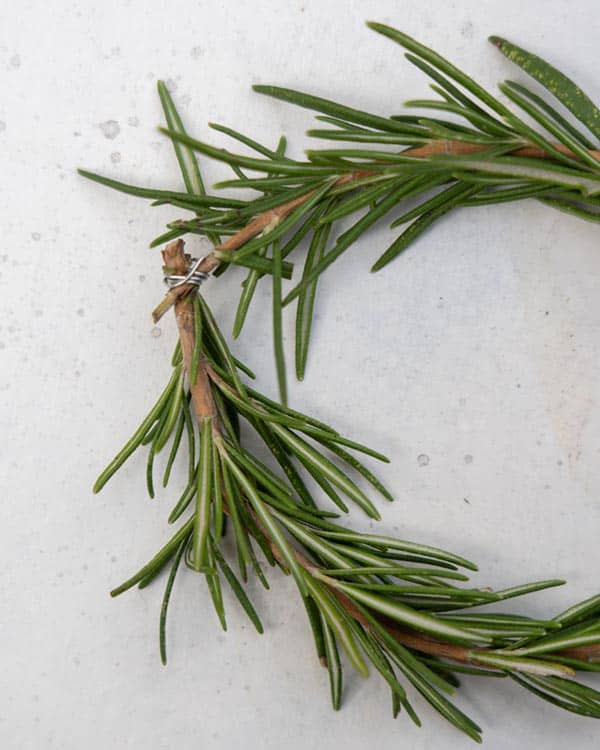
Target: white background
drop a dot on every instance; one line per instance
(478, 349)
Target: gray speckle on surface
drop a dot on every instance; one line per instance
(110, 129)
(2, 126)
(423, 459)
(467, 30)
(196, 52)
(115, 157)
(15, 61)
(468, 458)
(155, 332)
(36, 236)
(133, 121)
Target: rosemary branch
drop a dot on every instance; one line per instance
(486, 154)
(403, 608)
(275, 215)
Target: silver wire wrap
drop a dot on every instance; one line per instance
(193, 276)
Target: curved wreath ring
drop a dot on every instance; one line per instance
(402, 609)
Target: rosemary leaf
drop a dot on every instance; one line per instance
(203, 496)
(558, 84)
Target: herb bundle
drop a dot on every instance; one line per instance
(403, 609)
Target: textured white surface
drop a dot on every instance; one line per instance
(478, 350)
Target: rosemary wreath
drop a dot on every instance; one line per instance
(402, 609)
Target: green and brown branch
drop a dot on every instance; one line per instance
(479, 152)
(403, 609)
(270, 218)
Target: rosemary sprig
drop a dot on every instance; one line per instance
(402, 609)
(488, 154)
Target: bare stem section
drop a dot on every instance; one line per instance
(174, 258)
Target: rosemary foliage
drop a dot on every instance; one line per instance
(401, 609)
(477, 152)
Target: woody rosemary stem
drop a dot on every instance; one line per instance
(275, 215)
(204, 405)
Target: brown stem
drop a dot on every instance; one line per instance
(583, 653)
(204, 406)
(461, 148)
